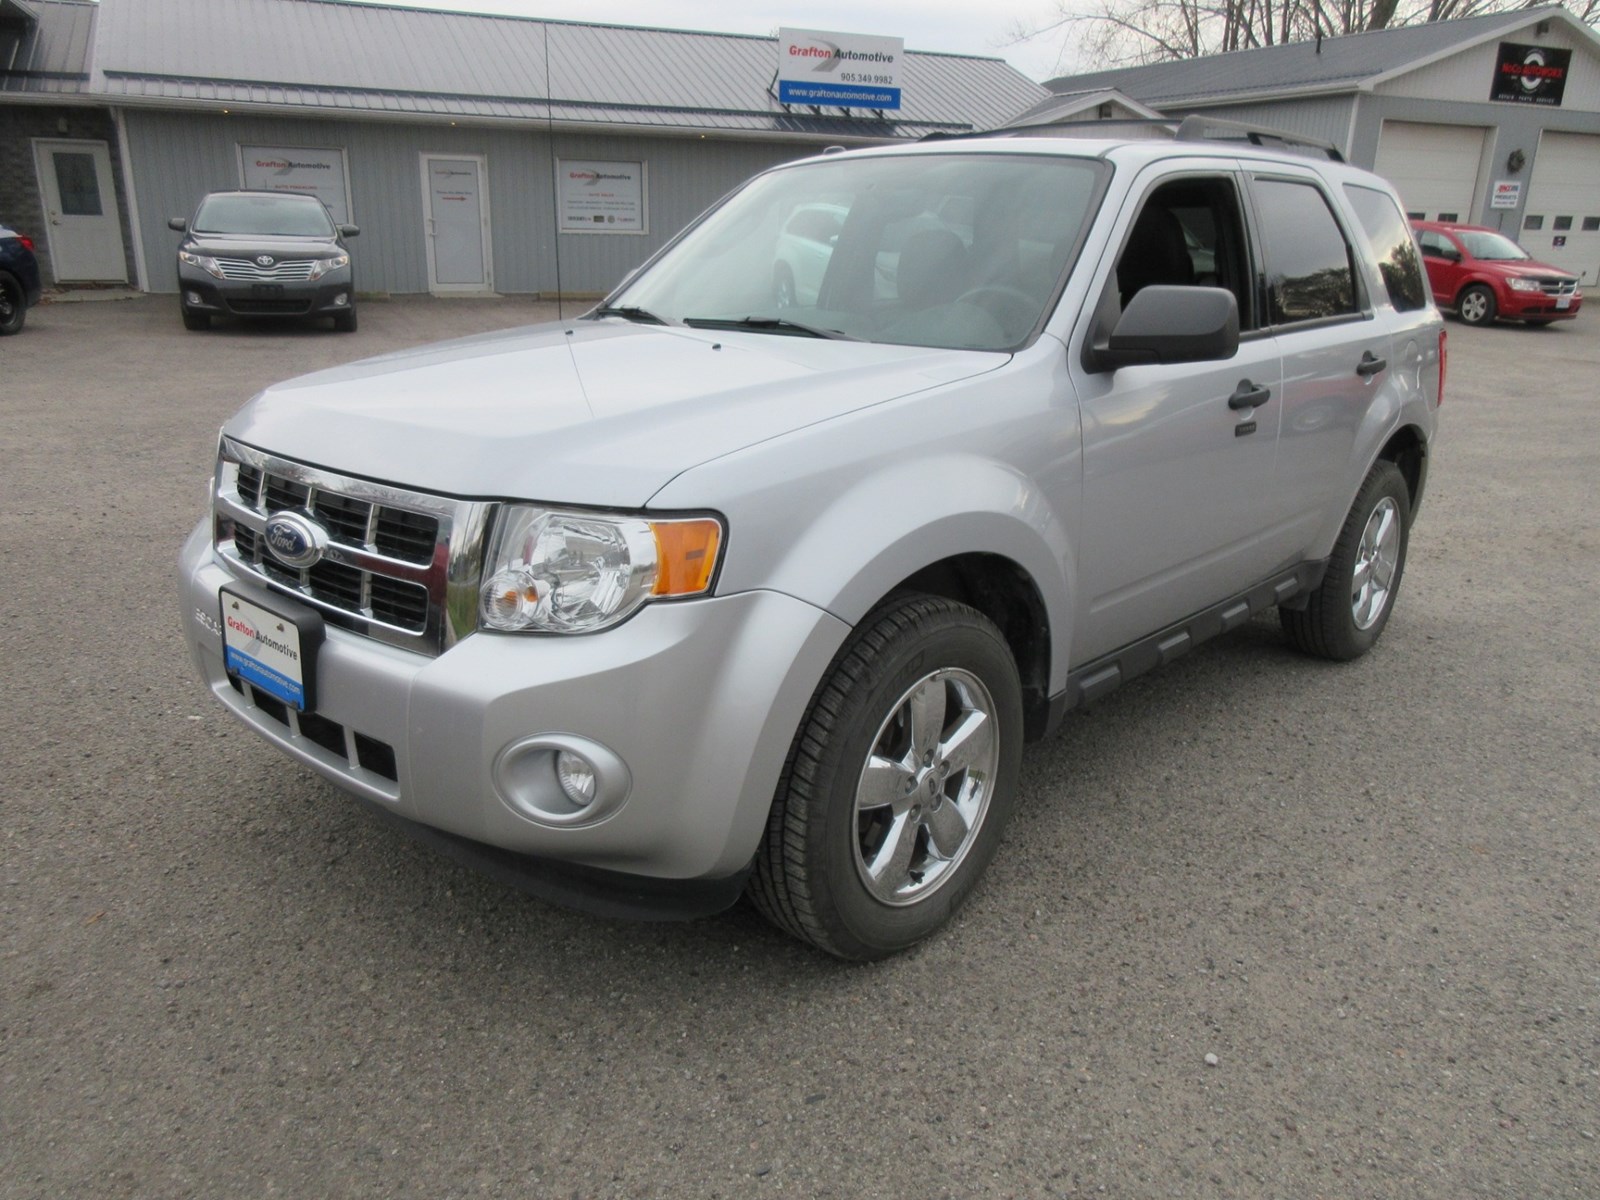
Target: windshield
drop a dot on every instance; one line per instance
(272, 216)
(960, 251)
(1492, 246)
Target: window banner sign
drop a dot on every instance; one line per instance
(311, 171)
(849, 70)
(1530, 74)
(601, 197)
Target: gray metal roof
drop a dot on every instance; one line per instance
(53, 38)
(329, 55)
(1338, 64)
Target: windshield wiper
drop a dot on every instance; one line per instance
(779, 325)
(631, 312)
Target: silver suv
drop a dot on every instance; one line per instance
(737, 586)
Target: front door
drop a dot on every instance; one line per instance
(82, 228)
(456, 205)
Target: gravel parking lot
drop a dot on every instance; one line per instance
(1369, 891)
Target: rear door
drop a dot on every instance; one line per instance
(1338, 358)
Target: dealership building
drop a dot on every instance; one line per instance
(477, 153)
(1492, 120)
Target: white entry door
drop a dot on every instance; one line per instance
(456, 206)
(82, 227)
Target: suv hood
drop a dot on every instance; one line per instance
(237, 243)
(1530, 268)
(588, 413)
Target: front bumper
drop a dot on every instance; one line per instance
(699, 699)
(1536, 306)
(205, 293)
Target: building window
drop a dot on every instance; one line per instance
(1562, 223)
(1532, 222)
(1449, 216)
(1591, 224)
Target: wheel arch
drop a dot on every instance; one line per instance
(1407, 449)
(1007, 595)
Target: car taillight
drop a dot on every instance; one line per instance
(1443, 336)
(27, 242)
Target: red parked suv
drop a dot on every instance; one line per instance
(1483, 274)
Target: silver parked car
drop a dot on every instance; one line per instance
(763, 589)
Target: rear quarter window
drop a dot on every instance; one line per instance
(1394, 249)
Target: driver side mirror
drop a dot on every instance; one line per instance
(349, 230)
(1166, 323)
(181, 224)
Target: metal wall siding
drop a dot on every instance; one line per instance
(179, 157)
(1326, 118)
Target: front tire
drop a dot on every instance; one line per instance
(1476, 305)
(196, 322)
(783, 291)
(344, 322)
(899, 784)
(1346, 615)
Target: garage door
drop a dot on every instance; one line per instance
(1561, 223)
(1433, 167)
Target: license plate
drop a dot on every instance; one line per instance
(266, 289)
(266, 649)
(1563, 302)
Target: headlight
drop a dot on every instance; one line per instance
(209, 265)
(1526, 285)
(566, 572)
(322, 266)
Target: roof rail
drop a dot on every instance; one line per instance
(1193, 128)
(1199, 128)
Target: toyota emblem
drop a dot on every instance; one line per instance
(263, 260)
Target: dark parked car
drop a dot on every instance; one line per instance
(19, 279)
(264, 254)
(1483, 274)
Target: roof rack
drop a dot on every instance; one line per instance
(1193, 128)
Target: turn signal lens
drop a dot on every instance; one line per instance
(686, 555)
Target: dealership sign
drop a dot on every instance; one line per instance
(850, 70)
(311, 171)
(1530, 74)
(601, 197)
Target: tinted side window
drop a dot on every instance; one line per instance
(1392, 246)
(1434, 245)
(1309, 276)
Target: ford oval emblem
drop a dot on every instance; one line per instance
(295, 539)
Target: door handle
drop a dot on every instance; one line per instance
(1248, 395)
(1370, 366)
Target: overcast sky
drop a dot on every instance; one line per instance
(960, 26)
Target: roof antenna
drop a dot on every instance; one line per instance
(555, 180)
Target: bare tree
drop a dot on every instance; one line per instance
(1128, 32)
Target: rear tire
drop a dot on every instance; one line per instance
(899, 783)
(1476, 305)
(1346, 615)
(13, 305)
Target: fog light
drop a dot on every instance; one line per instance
(561, 779)
(192, 297)
(342, 299)
(576, 774)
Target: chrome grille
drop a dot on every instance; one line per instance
(247, 270)
(1558, 287)
(400, 566)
